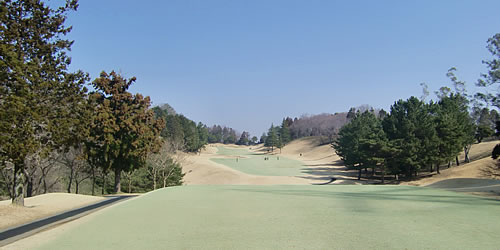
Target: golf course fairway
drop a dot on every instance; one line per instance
(251, 163)
(290, 216)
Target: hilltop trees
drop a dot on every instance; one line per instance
(180, 131)
(219, 134)
(37, 91)
(124, 129)
(325, 125)
(244, 139)
(413, 136)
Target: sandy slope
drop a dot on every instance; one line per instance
(200, 170)
(480, 169)
(41, 206)
(321, 161)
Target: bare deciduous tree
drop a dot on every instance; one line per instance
(161, 165)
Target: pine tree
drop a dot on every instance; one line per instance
(285, 132)
(411, 129)
(272, 138)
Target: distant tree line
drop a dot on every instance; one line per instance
(325, 125)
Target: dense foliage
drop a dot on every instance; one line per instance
(413, 136)
(38, 95)
(182, 132)
(54, 134)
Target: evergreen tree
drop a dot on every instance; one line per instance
(254, 140)
(263, 138)
(203, 134)
(411, 129)
(272, 138)
(38, 94)
(455, 128)
(125, 130)
(362, 143)
(285, 132)
(482, 132)
(244, 139)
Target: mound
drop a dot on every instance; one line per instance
(469, 185)
(458, 183)
(310, 148)
(41, 206)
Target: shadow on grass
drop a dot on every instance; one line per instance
(328, 156)
(399, 194)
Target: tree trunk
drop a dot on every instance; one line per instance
(18, 186)
(437, 168)
(154, 180)
(383, 174)
(103, 183)
(432, 170)
(29, 187)
(165, 182)
(77, 184)
(449, 164)
(456, 159)
(70, 179)
(130, 184)
(466, 153)
(93, 181)
(373, 172)
(359, 174)
(118, 173)
(45, 189)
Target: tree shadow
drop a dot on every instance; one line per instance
(322, 158)
(399, 194)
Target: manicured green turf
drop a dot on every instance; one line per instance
(294, 216)
(256, 165)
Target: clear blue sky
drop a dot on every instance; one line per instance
(246, 64)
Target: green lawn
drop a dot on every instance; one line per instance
(256, 165)
(293, 216)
